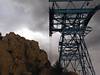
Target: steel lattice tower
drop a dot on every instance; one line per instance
(72, 22)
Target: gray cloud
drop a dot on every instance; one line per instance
(11, 18)
(29, 13)
(38, 10)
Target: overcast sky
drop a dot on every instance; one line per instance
(29, 18)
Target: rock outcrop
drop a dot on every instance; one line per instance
(19, 56)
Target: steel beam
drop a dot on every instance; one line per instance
(73, 11)
(67, 0)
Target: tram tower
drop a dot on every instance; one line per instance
(71, 18)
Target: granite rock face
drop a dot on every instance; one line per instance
(19, 56)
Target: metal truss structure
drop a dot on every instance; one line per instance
(72, 22)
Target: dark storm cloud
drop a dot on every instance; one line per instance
(38, 10)
(11, 17)
(24, 13)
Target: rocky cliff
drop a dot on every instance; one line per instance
(19, 56)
